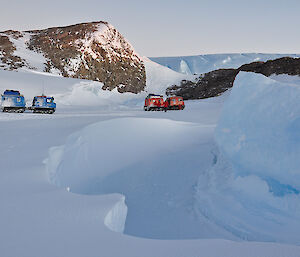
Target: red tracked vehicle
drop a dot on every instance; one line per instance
(174, 103)
(154, 103)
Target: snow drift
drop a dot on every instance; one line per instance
(259, 128)
(87, 154)
(252, 190)
(135, 157)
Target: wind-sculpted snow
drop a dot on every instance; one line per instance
(259, 128)
(153, 162)
(252, 190)
(116, 217)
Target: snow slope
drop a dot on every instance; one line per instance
(204, 63)
(121, 176)
(158, 77)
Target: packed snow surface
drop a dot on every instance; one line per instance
(199, 64)
(101, 176)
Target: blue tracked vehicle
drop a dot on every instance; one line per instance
(43, 104)
(12, 101)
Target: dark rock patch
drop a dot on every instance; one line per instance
(216, 82)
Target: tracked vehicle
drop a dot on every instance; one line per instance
(43, 104)
(12, 101)
(174, 103)
(154, 103)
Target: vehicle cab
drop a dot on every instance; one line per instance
(154, 103)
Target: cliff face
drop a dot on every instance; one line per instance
(216, 82)
(94, 51)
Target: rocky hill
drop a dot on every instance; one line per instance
(94, 51)
(216, 82)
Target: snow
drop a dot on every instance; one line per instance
(199, 64)
(158, 77)
(256, 167)
(116, 217)
(101, 177)
(111, 41)
(263, 136)
(35, 60)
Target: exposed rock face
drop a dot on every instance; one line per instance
(7, 49)
(94, 51)
(208, 85)
(285, 65)
(216, 82)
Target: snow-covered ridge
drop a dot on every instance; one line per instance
(94, 51)
(111, 42)
(199, 64)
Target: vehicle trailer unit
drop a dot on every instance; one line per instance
(12, 101)
(175, 103)
(154, 103)
(43, 104)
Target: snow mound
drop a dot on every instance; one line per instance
(252, 189)
(259, 128)
(135, 157)
(87, 153)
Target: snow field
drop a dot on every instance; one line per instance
(181, 185)
(244, 174)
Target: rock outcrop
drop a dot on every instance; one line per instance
(208, 85)
(216, 82)
(94, 51)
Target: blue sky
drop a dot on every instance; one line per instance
(171, 28)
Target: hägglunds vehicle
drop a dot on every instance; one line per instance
(43, 104)
(175, 103)
(154, 103)
(12, 101)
